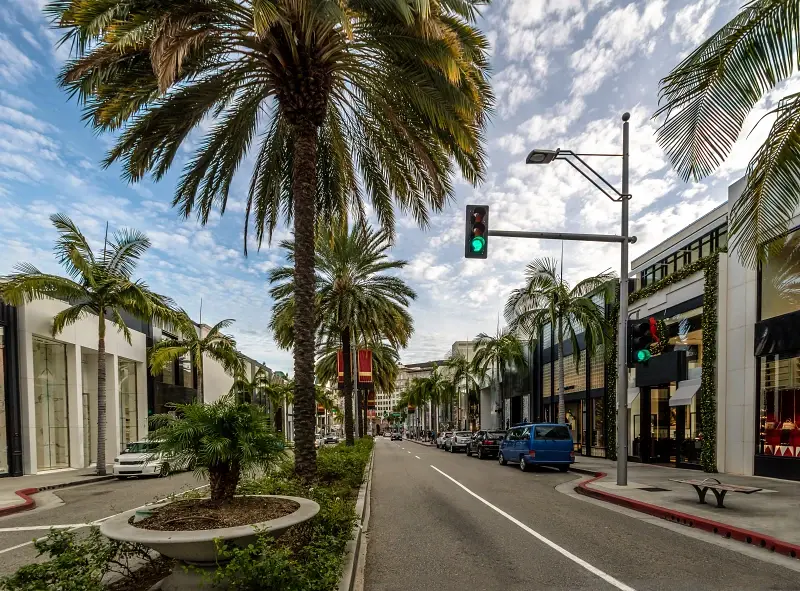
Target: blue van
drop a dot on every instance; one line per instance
(538, 444)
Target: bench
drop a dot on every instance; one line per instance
(718, 488)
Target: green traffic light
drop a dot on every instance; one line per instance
(643, 355)
(478, 243)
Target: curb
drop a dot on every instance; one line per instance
(29, 503)
(356, 547)
(732, 532)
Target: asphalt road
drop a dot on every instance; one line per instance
(80, 505)
(445, 522)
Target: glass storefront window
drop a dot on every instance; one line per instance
(50, 392)
(168, 375)
(3, 428)
(128, 417)
(546, 381)
(597, 376)
(779, 406)
(780, 280)
(686, 334)
(185, 364)
(597, 422)
(574, 380)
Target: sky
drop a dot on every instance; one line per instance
(564, 71)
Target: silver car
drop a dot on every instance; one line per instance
(458, 441)
(442, 439)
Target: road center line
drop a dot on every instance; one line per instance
(82, 525)
(579, 561)
(417, 457)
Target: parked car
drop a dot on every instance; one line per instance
(396, 436)
(387, 434)
(443, 436)
(545, 444)
(485, 444)
(458, 441)
(331, 438)
(138, 459)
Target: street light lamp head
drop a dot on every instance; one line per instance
(541, 156)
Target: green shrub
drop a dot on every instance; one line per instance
(76, 563)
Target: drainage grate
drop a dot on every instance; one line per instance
(654, 489)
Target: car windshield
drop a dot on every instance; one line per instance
(557, 432)
(448, 433)
(140, 447)
(496, 435)
(463, 434)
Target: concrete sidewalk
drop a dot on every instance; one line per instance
(772, 512)
(15, 492)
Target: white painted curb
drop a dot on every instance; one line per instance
(356, 549)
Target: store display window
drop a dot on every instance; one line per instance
(779, 406)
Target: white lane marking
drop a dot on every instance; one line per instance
(579, 561)
(408, 452)
(95, 522)
(417, 457)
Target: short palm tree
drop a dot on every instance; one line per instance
(224, 441)
(337, 100)
(356, 299)
(99, 285)
(496, 353)
(215, 345)
(547, 298)
(438, 390)
(705, 100)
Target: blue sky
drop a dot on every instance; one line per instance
(564, 71)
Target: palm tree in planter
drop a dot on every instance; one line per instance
(336, 100)
(223, 441)
(215, 345)
(547, 299)
(98, 284)
(498, 352)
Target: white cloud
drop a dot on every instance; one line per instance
(513, 86)
(512, 143)
(15, 66)
(23, 119)
(691, 23)
(10, 162)
(30, 38)
(16, 102)
(32, 9)
(618, 36)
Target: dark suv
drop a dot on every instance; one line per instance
(485, 444)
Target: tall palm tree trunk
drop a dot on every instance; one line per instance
(101, 397)
(304, 176)
(562, 409)
(348, 388)
(200, 396)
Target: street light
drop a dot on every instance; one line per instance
(623, 196)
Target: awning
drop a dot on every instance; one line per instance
(685, 392)
(632, 394)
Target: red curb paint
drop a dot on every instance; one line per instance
(29, 503)
(715, 527)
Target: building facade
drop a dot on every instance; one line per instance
(48, 388)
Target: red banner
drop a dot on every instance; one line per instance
(340, 369)
(320, 409)
(364, 366)
(371, 400)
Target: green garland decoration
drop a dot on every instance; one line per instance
(708, 391)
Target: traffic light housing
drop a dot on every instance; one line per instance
(641, 334)
(476, 239)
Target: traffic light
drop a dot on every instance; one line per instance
(641, 334)
(476, 240)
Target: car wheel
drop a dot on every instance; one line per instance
(563, 468)
(522, 465)
(501, 459)
(468, 451)
(164, 470)
(122, 478)
(480, 453)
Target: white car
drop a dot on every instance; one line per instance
(137, 459)
(444, 436)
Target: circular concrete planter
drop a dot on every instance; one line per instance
(198, 548)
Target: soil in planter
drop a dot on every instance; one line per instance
(200, 514)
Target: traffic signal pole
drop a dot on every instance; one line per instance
(476, 246)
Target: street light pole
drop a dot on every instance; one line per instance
(622, 346)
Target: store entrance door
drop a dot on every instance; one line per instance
(655, 417)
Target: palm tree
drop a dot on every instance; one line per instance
(100, 285)
(498, 352)
(464, 373)
(705, 100)
(252, 390)
(438, 389)
(281, 395)
(547, 298)
(356, 301)
(215, 345)
(224, 441)
(385, 98)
